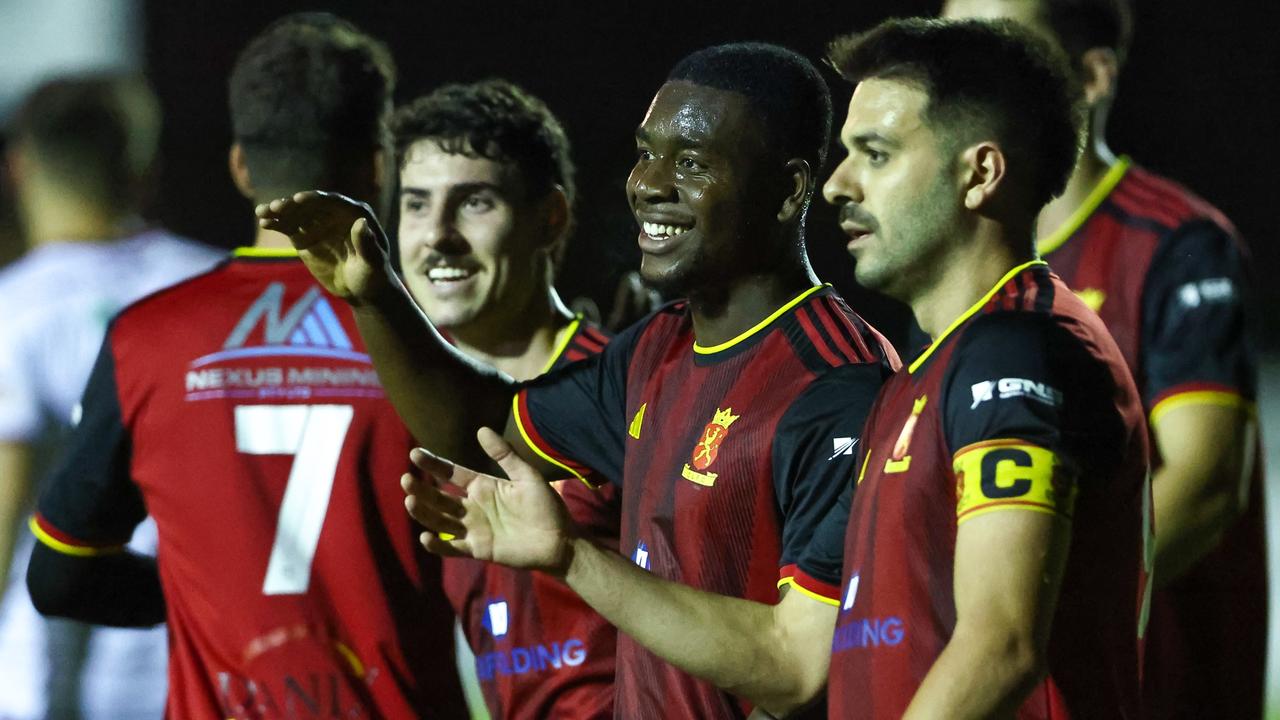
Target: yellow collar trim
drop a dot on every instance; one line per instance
(758, 326)
(971, 311)
(262, 252)
(1082, 213)
(562, 342)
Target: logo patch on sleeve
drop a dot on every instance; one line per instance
(1011, 475)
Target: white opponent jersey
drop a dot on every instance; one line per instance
(55, 304)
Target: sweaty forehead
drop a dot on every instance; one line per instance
(890, 109)
(689, 112)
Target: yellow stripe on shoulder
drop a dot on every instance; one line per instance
(67, 548)
(515, 414)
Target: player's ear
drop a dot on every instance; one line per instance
(239, 168)
(1100, 67)
(555, 215)
(983, 168)
(800, 181)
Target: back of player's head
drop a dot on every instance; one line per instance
(94, 135)
(493, 119)
(782, 86)
(1081, 25)
(309, 96)
(982, 78)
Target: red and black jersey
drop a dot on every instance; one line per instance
(1023, 404)
(1166, 273)
(541, 652)
(726, 456)
(240, 409)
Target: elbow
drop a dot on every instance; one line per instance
(801, 687)
(1025, 660)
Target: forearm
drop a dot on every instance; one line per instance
(120, 589)
(442, 395)
(978, 675)
(1191, 516)
(737, 645)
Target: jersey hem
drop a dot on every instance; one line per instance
(519, 410)
(1198, 394)
(809, 586)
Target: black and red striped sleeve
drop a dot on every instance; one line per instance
(90, 506)
(1196, 345)
(574, 416)
(815, 450)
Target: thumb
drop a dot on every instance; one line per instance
(496, 447)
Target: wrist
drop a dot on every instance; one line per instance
(573, 552)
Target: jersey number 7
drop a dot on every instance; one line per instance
(313, 435)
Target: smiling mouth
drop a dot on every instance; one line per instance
(659, 231)
(449, 275)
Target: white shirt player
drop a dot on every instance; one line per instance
(55, 304)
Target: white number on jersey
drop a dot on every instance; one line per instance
(314, 435)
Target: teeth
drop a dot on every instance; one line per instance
(656, 230)
(447, 273)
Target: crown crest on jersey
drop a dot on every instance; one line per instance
(707, 449)
(724, 418)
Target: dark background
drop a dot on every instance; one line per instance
(1197, 102)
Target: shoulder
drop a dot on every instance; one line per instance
(1165, 202)
(827, 334)
(171, 300)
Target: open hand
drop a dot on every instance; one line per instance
(520, 522)
(338, 238)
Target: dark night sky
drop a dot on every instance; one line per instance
(1198, 101)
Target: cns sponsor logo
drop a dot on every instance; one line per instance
(539, 657)
(1006, 388)
(1210, 291)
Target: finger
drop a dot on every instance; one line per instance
(440, 469)
(432, 519)
(500, 450)
(445, 548)
(365, 241)
(441, 500)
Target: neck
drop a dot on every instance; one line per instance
(1093, 165)
(723, 313)
(970, 271)
(272, 240)
(522, 345)
(66, 217)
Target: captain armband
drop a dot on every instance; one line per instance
(1011, 475)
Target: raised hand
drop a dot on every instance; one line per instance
(520, 522)
(338, 238)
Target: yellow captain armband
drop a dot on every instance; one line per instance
(1011, 475)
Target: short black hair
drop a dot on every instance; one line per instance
(1084, 24)
(788, 92)
(493, 119)
(96, 134)
(308, 95)
(992, 76)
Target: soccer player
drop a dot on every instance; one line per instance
(1166, 272)
(729, 420)
(81, 156)
(486, 199)
(241, 410)
(989, 562)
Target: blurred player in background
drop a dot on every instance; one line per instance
(1166, 272)
(80, 156)
(486, 207)
(241, 410)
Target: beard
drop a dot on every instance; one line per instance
(910, 241)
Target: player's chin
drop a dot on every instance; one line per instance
(671, 276)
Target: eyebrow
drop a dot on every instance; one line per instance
(453, 190)
(865, 139)
(683, 140)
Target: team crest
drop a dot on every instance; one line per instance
(900, 461)
(708, 448)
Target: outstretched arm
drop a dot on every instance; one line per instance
(775, 656)
(440, 393)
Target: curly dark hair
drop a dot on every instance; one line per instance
(309, 94)
(981, 76)
(493, 119)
